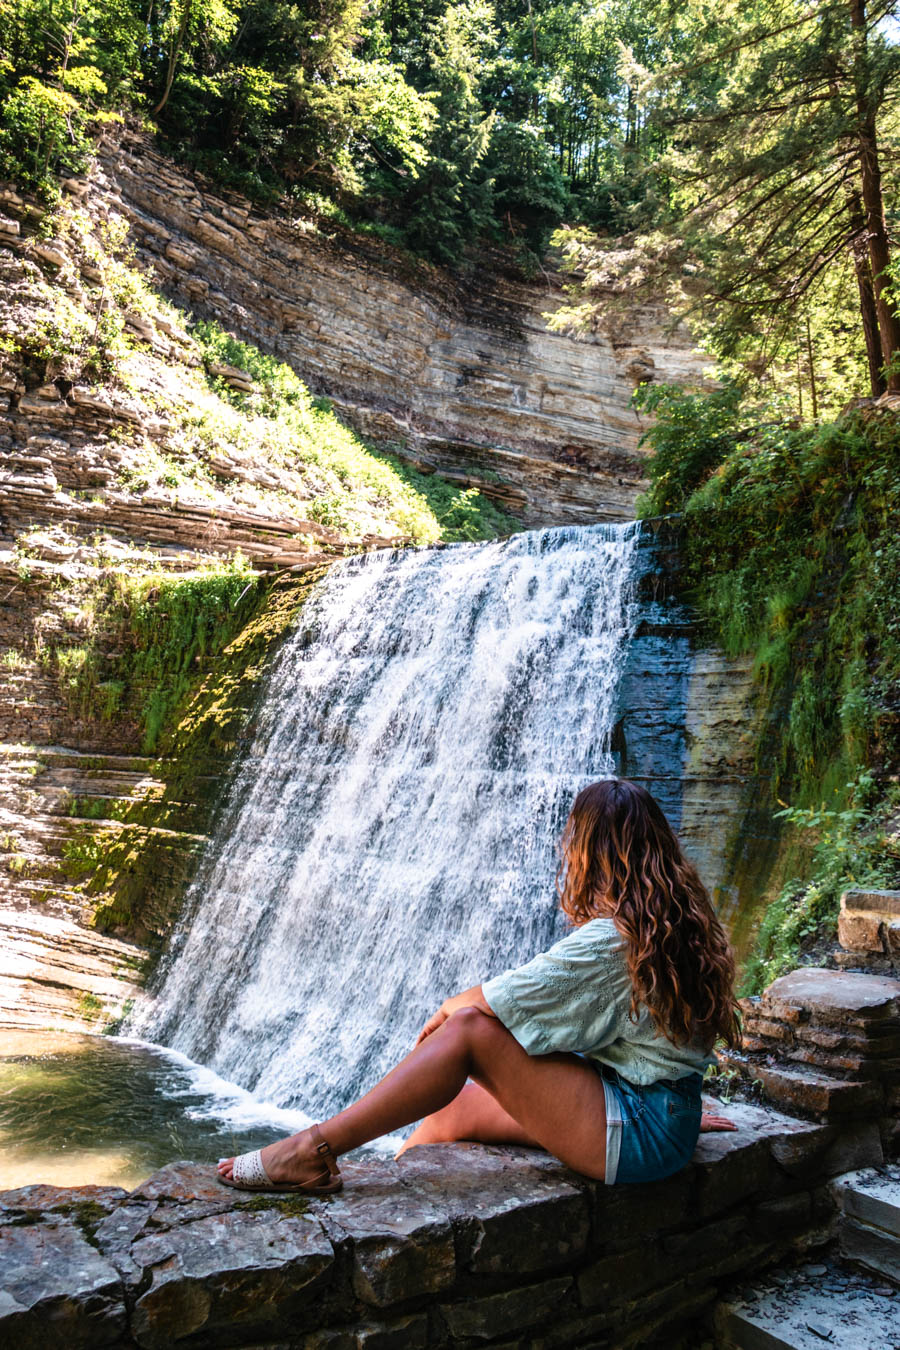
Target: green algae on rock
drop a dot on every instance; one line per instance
(149, 856)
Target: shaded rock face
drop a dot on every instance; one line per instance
(463, 375)
(451, 1245)
(688, 724)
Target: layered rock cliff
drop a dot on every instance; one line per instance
(462, 375)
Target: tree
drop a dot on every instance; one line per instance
(448, 205)
(775, 156)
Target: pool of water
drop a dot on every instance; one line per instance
(79, 1109)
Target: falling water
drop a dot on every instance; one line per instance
(390, 837)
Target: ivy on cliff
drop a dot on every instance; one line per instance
(149, 636)
(187, 659)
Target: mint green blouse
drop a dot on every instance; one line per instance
(577, 997)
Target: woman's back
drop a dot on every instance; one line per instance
(577, 996)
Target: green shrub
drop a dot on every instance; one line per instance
(44, 134)
(160, 631)
(850, 850)
(692, 435)
(790, 555)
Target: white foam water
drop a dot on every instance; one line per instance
(390, 836)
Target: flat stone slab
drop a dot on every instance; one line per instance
(881, 902)
(816, 1093)
(871, 1196)
(56, 1290)
(871, 1247)
(805, 1308)
(836, 991)
(761, 1131)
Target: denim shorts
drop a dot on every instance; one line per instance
(651, 1130)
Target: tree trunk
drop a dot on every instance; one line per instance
(535, 61)
(174, 53)
(873, 202)
(70, 38)
(867, 307)
(812, 372)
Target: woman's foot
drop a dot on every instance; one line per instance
(294, 1159)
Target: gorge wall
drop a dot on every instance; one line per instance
(461, 374)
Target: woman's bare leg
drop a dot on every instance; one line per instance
(474, 1115)
(557, 1100)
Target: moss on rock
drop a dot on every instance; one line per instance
(136, 870)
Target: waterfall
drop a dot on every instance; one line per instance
(390, 837)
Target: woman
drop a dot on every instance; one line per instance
(595, 1050)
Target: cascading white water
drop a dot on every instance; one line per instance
(390, 838)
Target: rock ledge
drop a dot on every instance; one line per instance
(452, 1245)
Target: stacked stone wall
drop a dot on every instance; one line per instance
(450, 1246)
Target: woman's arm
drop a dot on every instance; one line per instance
(470, 998)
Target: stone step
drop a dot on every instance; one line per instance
(809, 1307)
(62, 756)
(806, 1091)
(830, 997)
(869, 1225)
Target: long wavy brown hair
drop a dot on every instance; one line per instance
(620, 857)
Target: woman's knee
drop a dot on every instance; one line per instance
(472, 1025)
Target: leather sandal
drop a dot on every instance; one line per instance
(249, 1174)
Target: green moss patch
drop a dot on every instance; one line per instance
(189, 654)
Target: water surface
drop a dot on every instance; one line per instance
(79, 1109)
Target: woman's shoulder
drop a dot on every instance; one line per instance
(597, 937)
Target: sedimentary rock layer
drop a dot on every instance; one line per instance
(826, 1044)
(462, 374)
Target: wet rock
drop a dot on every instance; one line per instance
(58, 1292)
(228, 1278)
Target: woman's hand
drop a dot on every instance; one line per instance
(470, 998)
(710, 1121)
